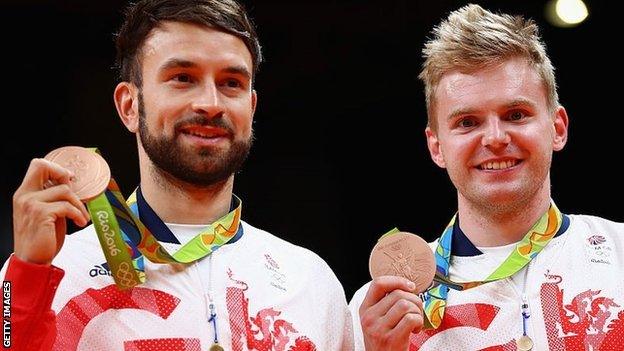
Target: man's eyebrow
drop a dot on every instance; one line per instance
(241, 70)
(520, 102)
(177, 63)
(461, 111)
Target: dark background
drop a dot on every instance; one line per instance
(340, 155)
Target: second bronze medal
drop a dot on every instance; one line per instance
(405, 255)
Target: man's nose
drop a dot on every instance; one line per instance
(495, 134)
(208, 101)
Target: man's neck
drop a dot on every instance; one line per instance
(175, 201)
(496, 227)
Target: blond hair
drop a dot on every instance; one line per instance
(472, 38)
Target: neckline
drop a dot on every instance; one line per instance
(160, 230)
(461, 246)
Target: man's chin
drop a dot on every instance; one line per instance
(202, 178)
(499, 197)
(192, 150)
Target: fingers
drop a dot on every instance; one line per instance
(390, 312)
(41, 205)
(42, 171)
(63, 192)
(28, 203)
(383, 285)
(39, 229)
(394, 306)
(66, 209)
(410, 323)
(47, 181)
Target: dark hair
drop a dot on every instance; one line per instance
(140, 18)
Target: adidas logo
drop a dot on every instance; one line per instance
(100, 269)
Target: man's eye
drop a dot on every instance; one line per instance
(232, 83)
(182, 78)
(466, 123)
(516, 116)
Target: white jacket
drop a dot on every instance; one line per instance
(575, 289)
(269, 295)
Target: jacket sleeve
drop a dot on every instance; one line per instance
(354, 307)
(28, 290)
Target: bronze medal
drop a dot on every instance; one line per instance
(524, 343)
(91, 172)
(405, 255)
(216, 347)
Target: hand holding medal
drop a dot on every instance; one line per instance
(90, 182)
(402, 266)
(48, 196)
(54, 189)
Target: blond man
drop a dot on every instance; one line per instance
(494, 123)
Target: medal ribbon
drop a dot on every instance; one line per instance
(125, 240)
(531, 244)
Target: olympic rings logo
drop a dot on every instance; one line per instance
(124, 276)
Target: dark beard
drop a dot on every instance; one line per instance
(203, 168)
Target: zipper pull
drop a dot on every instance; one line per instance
(212, 319)
(525, 343)
(526, 312)
(211, 314)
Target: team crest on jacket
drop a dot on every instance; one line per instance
(596, 239)
(264, 331)
(589, 321)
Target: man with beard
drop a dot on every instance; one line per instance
(187, 71)
(522, 275)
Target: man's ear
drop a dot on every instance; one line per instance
(560, 123)
(434, 148)
(254, 102)
(127, 104)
